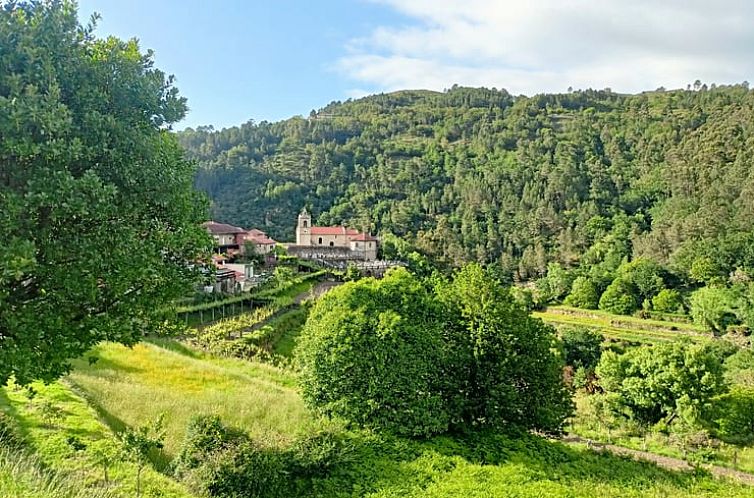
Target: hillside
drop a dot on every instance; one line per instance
(131, 386)
(478, 174)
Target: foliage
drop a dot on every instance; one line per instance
(734, 415)
(661, 381)
(390, 355)
(224, 462)
(713, 308)
(583, 294)
(138, 444)
(370, 352)
(100, 224)
(502, 359)
(668, 301)
(619, 298)
(582, 347)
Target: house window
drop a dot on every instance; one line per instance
(320, 241)
(332, 243)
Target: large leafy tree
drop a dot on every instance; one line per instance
(99, 223)
(371, 352)
(662, 381)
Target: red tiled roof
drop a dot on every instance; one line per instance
(256, 232)
(216, 228)
(259, 239)
(334, 231)
(362, 237)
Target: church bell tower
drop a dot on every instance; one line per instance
(304, 229)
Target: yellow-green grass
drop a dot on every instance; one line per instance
(133, 386)
(63, 432)
(621, 327)
(23, 476)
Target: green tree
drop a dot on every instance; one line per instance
(371, 352)
(583, 294)
(662, 381)
(734, 416)
(582, 347)
(511, 371)
(713, 308)
(100, 225)
(619, 298)
(668, 301)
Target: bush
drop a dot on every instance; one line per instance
(619, 298)
(583, 294)
(222, 462)
(713, 308)
(370, 352)
(668, 301)
(250, 469)
(390, 355)
(205, 435)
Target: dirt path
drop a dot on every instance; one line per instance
(662, 461)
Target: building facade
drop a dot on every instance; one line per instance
(361, 246)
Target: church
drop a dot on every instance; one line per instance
(349, 243)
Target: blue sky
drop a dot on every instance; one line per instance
(237, 60)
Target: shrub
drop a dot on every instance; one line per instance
(583, 294)
(653, 382)
(205, 435)
(668, 301)
(712, 307)
(389, 355)
(619, 298)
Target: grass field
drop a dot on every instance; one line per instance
(626, 328)
(64, 433)
(132, 386)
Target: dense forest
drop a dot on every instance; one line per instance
(482, 175)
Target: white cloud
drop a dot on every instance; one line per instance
(548, 45)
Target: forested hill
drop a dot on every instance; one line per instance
(479, 174)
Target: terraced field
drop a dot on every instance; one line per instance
(625, 328)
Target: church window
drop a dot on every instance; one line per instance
(305, 223)
(320, 241)
(332, 243)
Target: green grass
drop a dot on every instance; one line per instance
(133, 386)
(626, 328)
(490, 465)
(23, 476)
(287, 327)
(56, 463)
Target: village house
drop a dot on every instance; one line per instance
(346, 243)
(231, 240)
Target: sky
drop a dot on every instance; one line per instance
(238, 60)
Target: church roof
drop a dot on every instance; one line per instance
(333, 231)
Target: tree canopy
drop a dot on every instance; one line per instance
(422, 357)
(100, 225)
